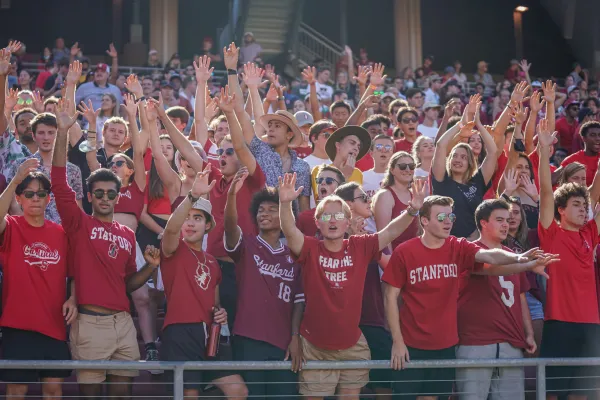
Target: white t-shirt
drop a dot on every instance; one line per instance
(372, 181)
(430, 132)
(325, 92)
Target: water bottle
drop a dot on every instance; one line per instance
(214, 338)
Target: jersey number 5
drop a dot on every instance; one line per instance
(510, 288)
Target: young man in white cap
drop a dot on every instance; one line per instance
(429, 126)
(305, 121)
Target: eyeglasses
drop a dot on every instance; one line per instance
(338, 216)
(364, 197)
(403, 166)
(111, 194)
(228, 152)
(21, 101)
(442, 217)
(408, 120)
(328, 181)
(119, 163)
(41, 194)
(386, 148)
(326, 134)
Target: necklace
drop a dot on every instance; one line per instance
(202, 276)
(113, 249)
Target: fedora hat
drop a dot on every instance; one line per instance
(361, 133)
(288, 119)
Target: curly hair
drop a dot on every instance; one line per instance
(265, 195)
(566, 192)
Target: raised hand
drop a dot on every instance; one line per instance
(203, 70)
(130, 105)
(152, 256)
(272, 94)
(226, 101)
(309, 75)
(549, 89)
(452, 107)
(478, 123)
(133, 85)
(510, 181)
(524, 66)
(252, 75)
(4, 62)
(238, 181)
(200, 187)
(11, 99)
(230, 56)
(287, 188)
(467, 130)
(472, 106)
(535, 103)
(212, 109)
(357, 226)
(519, 92)
(112, 51)
(28, 166)
(529, 187)
(545, 135)
(377, 77)
(419, 192)
(87, 110)
(151, 111)
(74, 73)
(14, 46)
(364, 71)
(38, 102)
(519, 113)
(63, 119)
(371, 101)
(270, 73)
(75, 49)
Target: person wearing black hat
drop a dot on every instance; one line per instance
(345, 147)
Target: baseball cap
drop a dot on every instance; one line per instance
(571, 88)
(175, 76)
(570, 103)
(304, 118)
(514, 61)
(153, 51)
(429, 57)
(102, 67)
(166, 84)
(204, 205)
(449, 70)
(482, 64)
(434, 77)
(429, 105)
(388, 94)
(248, 34)
(537, 84)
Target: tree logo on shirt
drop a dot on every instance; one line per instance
(202, 276)
(40, 255)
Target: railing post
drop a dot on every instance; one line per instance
(178, 383)
(541, 382)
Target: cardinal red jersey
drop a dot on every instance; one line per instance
(428, 279)
(218, 198)
(306, 222)
(571, 289)
(191, 278)
(590, 162)
(489, 308)
(103, 253)
(131, 200)
(333, 287)
(268, 286)
(35, 274)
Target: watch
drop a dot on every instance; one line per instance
(412, 212)
(231, 71)
(192, 198)
(140, 99)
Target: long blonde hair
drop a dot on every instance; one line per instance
(471, 161)
(388, 178)
(568, 171)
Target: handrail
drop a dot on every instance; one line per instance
(322, 38)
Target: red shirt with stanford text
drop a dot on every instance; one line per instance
(571, 290)
(103, 254)
(489, 308)
(428, 279)
(268, 286)
(333, 287)
(34, 280)
(190, 285)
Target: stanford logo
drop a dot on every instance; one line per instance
(202, 276)
(40, 255)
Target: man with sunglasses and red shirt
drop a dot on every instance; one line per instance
(426, 271)
(408, 120)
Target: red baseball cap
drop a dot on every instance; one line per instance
(102, 67)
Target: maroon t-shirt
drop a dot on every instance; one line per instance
(131, 200)
(190, 278)
(268, 286)
(373, 312)
(412, 229)
(306, 222)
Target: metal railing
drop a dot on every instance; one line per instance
(179, 367)
(313, 44)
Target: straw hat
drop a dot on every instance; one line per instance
(288, 119)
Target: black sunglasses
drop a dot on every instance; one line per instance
(40, 194)
(119, 163)
(111, 194)
(403, 166)
(409, 120)
(328, 181)
(228, 152)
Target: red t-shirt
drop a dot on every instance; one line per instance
(131, 200)
(428, 279)
(103, 254)
(373, 311)
(489, 308)
(534, 157)
(302, 152)
(268, 286)
(590, 162)
(566, 132)
(190, 285)
(333, 286)
(366, 163)
(211, 154)
(571, 289)
(493, 190)
(218, 198)
(34, 280)
(404, 145)
(306, 222)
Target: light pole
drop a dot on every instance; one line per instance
(518, 21)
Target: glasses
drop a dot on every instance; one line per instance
(41, 194)
(408, 120)
(228, 152)
(403, 166)
(111, 194)
(22, 101)
(326, 134)
(386, 148)
(328, 181)
(442, 217)
(364, 197)
(119, 163)
(338, 216)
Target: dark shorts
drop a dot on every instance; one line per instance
(571, 340)
(279, 384)
(380, 343)
(187, 342)
(410, 383)
(18, 344)
(228, 291)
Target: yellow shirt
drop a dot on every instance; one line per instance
(356, 176)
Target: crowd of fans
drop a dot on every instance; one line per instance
(407, 218)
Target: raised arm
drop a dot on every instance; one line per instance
(136, 140)
(367, 103)
(114, 67)
(172, 232)
(525, 68)
(400, 223)
(449, 109)
(90, 115)
(203, 74)
(310, 76)
(499, 262)
(545, 140)
(519, 114)
(361, 79)
(488, 166)
(287, 194)
(549, 89)
(232, 230)
(4, 68)
(536, 105)
(253, 78)
(7, 197)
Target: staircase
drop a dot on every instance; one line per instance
(313, 45)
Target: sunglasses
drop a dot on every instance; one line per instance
(386, 148)
(228, 152)
(21, 102)
(326, 135)
(111, 194)
(403, 166)
(364, 197)
(119, 163)
(338, 216)
(442, 217)
(408, 120)
(41, 194)
(328, 181)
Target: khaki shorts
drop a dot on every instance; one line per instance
(107, 337)
(320, 383)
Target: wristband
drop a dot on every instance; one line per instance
(140, 99)
(192, 198)
(231, 71)
(295, 334)
(412, 212)
(91, 131)
(373, 87)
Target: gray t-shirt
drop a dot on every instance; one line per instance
(93, 92)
